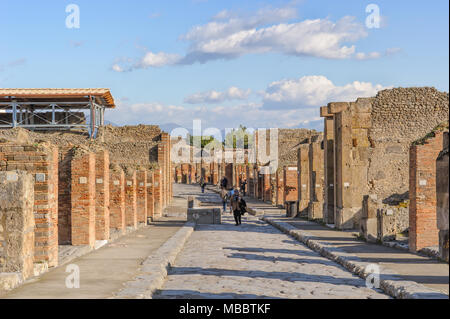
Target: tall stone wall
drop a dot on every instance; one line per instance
(41, 160)
(17, 239)
(442, 198)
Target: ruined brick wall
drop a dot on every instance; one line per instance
(102, 214)
(141, 196)
(157, 193)
(130, 198)
(423, 231)
(279, 184)
(64, 195)
(303, 178)
(328, 162)
(316, 179)
(290, 184)
(150, 194)
(40, 160)
(117, 198)
(17, 241)
(83, 198)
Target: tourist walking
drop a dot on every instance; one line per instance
(224, 183)
(239, 207)
(243, 186)
(224, 196)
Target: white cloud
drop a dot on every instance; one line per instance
(211, 97)
(299, 99)
(230, 35)
(157, 60)
(314, 91)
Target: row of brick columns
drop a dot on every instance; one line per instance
(79, 197)
(330, 179)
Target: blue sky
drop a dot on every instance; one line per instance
(259, 63)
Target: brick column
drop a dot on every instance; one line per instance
(157, 193)
(303, 178)
(102, 214)
(290, 184)
(315, 207)
(141, 180)
(150, 194)
(328, 161)
(344, 212)
(423, 231)
(83, 200)
(117, 199)
(279, 188)
(130, 200)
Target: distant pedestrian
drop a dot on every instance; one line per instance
(224, 183)
(203, 185)
(243, 186)
(239, 207)
(230, 197)
(224, 196)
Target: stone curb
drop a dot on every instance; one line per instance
(389, 283)
(153, 271)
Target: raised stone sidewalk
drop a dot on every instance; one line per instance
(403, 274)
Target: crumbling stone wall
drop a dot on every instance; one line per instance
(17, 239)
(290, 184)
(40, 160)
(328, 162)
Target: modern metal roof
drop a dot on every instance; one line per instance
(103, 96)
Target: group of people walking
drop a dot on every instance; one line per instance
(235, 198)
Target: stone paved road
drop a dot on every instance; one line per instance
(256, 260)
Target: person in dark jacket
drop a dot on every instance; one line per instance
(238, 206)
(224, 183)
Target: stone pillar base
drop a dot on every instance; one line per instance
(345, 218)
(315, 210)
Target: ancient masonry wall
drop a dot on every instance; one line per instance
(83, 199)
(141, 196)
(316, 179)
(328, 162)
(303, 178)
(279, 184)
(290, 184)
(423, 231)
(42, 162)
(130, 199)
(150, 195)
(117, 199)
(102, 204)
(17, 236)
